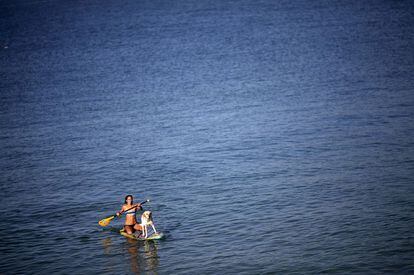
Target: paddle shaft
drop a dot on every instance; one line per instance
(133, 207)
(106, 221)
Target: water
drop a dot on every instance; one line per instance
(270, 136)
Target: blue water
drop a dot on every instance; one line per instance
(271, 136)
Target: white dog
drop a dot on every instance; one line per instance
(146, 220)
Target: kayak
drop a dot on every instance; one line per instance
(155, 236)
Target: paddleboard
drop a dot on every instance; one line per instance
(155, 236)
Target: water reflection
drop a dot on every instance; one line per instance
(108, 249)
(143, 256)
(151, 256)
(107, 242)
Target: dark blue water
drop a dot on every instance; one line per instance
(270, 136)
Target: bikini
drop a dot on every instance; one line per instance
(131, 212)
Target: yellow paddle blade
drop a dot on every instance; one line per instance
(106, 221)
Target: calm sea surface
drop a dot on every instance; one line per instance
(272, 137)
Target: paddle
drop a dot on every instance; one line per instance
(107, 220)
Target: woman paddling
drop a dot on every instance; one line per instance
(131, 224)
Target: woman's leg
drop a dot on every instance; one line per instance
(138, 230)
(129, 229)
(138, 227)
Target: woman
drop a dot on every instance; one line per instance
(131, 224)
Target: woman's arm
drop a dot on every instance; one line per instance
(120, 212)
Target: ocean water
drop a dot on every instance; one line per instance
(272, 137)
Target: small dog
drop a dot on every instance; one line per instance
(146, 220)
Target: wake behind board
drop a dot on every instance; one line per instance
(155, 236)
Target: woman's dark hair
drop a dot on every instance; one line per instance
(127, 196)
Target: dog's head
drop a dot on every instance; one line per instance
(147, 215)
